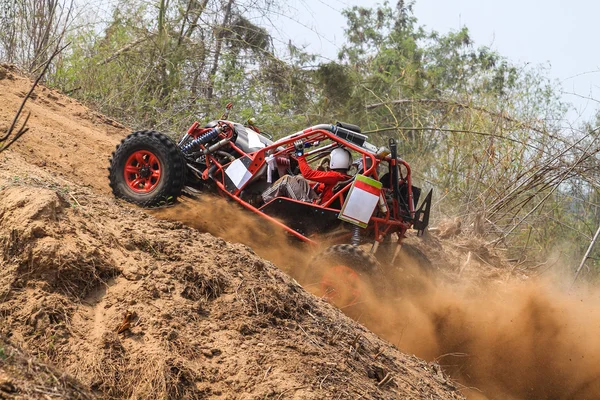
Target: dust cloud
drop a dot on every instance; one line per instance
(229, 221)
(514, 340)
(499, 340)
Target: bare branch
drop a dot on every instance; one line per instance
(23, 129)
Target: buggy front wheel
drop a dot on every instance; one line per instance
(147, 169)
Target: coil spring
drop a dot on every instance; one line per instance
(355, 240)
(202, 139)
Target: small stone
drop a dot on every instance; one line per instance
(172, 335)
(7, 386)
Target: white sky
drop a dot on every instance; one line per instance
(559, 33)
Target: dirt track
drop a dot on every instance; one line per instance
(198, 317)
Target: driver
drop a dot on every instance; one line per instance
(298, 188)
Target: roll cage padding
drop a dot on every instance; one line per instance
(349, 135)
(350, 127)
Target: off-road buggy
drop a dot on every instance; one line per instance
(376, 204)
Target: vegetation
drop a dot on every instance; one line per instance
(489, 136)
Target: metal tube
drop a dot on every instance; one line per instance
(394, 167)
(326, 127)
(216, 146)
(320, 149)
(269, 218)
(183, 139)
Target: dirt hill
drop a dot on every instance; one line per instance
(136, 307)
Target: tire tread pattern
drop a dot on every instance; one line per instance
(362, 261)
(174, 172)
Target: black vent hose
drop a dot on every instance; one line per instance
(202, 139)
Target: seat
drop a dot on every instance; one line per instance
(304, 218)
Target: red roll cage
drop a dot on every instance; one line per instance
(379, 226)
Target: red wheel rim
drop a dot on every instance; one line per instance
(342, 286)
(142, 171)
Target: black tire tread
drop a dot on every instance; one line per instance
(385, 253)
(415, 254)
(177, 168)
(363, 262)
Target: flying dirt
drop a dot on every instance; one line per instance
(150, 304)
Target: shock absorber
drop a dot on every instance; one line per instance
(202, 139)
(355, 240)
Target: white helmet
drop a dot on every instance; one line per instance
(340, 159)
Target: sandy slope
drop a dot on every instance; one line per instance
(65, 137)
(200, 317)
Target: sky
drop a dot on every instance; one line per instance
(560, 34)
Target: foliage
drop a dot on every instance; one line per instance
(30, 30)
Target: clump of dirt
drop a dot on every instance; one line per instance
(39, 248)
(24, 377)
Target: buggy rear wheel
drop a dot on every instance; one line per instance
(348, 274)
(409, 255)
(412, 271)
(147, 169)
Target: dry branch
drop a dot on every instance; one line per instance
(457, 104)
(122, 50)
(561, 178)
(585, 257)
(6, 138)
(434, 128)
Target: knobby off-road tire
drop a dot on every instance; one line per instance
(408, 254)
(347, 274)
(412, 253)
(412, 273)
(147, 169)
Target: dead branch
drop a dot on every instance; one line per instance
(536, 173)
(23, 128)
(479, 133)
(585, 257)
(122, 50)
(564, 175)
(452, 103)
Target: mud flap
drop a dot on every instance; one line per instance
(421, 220)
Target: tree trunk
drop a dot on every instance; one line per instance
(218, 46)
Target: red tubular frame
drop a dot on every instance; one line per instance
(311, 135)
(262, 214)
